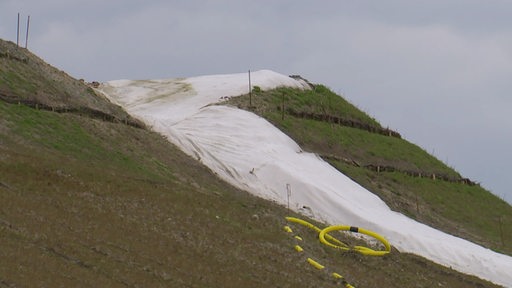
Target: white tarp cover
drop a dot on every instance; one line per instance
(250, 153)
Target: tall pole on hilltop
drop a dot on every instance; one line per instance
(26, 38)
(250, 90)
(18, 32)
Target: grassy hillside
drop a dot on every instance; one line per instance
(406, 177)
(25, 78)
(92, 203)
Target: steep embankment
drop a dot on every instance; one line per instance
(25, 78)
(87, 202)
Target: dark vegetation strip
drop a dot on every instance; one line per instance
(82, 111)
(333, 119)
(419, 174)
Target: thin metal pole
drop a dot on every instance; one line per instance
(28, 25)
(288, 193)
(18, 32)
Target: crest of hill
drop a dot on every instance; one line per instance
(27, 79)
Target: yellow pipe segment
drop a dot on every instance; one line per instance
(315, 264)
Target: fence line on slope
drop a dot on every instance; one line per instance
(412, 173)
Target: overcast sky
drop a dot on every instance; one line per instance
(437, 71)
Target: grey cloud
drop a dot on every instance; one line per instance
(436, 71)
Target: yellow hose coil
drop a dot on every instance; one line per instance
(328, 240)
(318, 230)
(324, 237)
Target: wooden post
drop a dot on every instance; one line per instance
(282, 108)
(26, 38)
(417, 205)
(500, 220)
(250, 90)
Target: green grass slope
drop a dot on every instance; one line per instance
(86, 202)
(406, 177)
